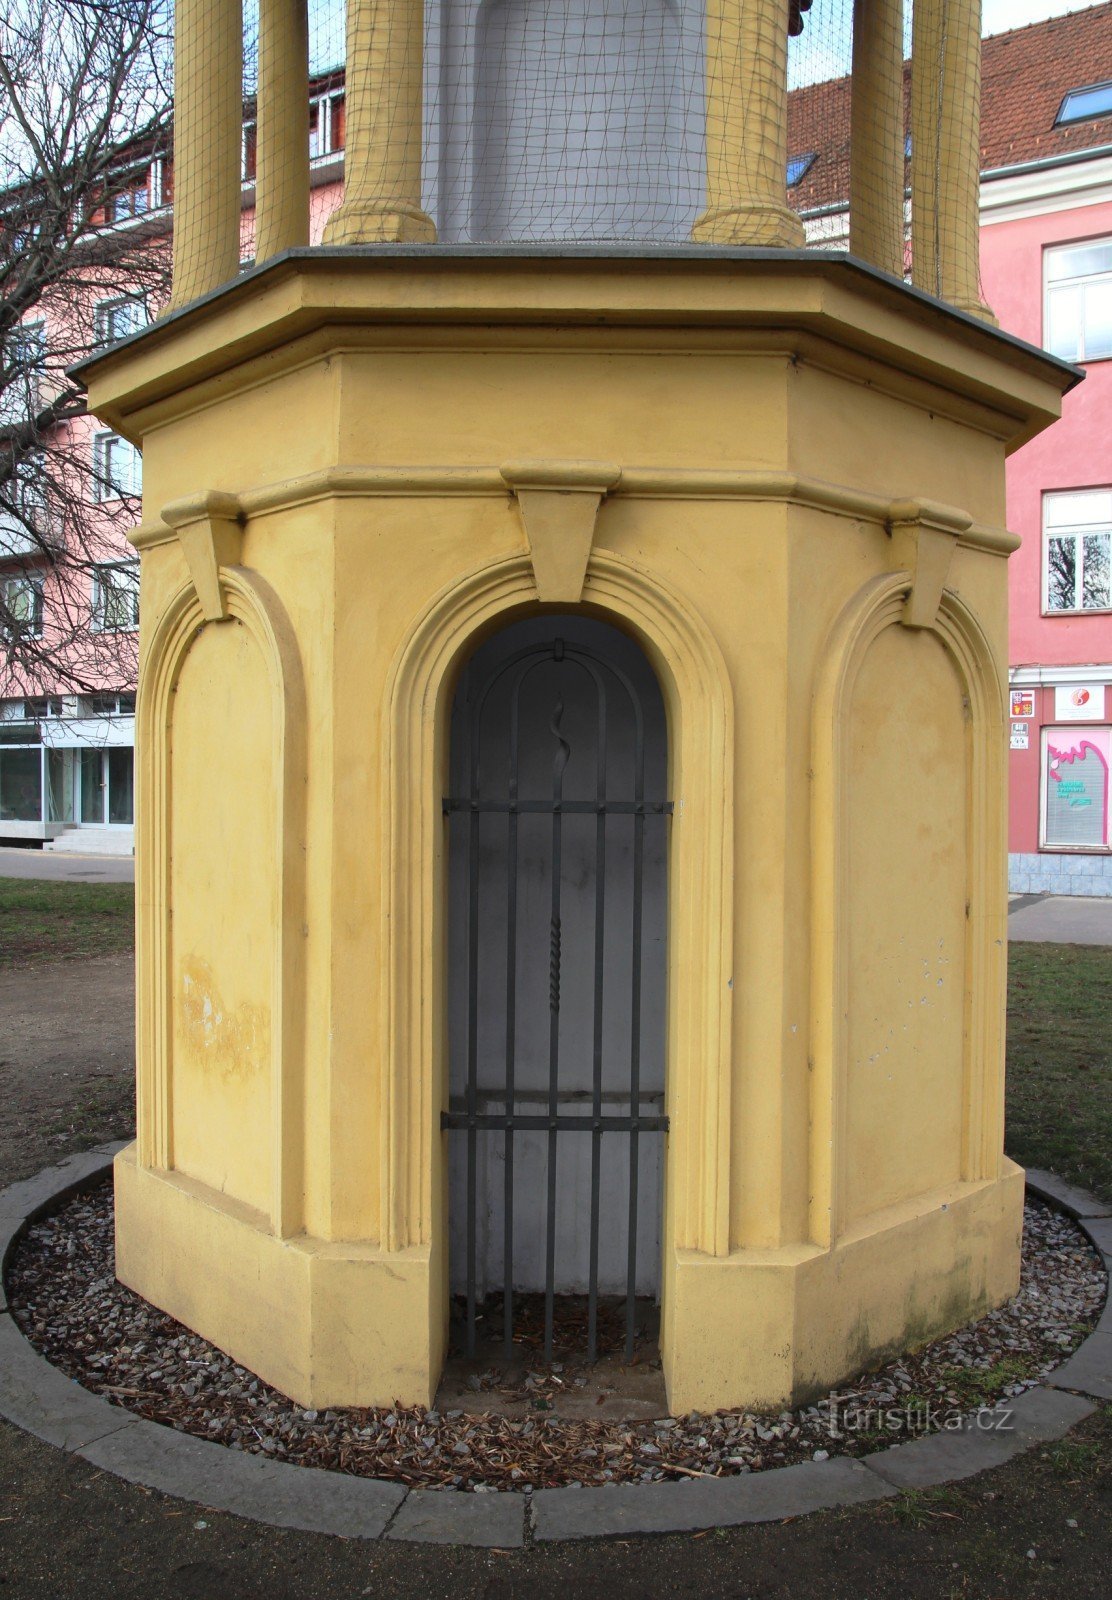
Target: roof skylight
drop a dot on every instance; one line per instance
(799, 166)
(1095, 100)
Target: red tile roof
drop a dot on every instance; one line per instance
(1024, 76)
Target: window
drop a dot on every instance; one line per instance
(799, 167)
(42, 706)
(22, 598)
(1080, 104)
(117, 467)
(1079, 301)
(24, 353)
(116, 597)
(21, 785)
(123, 195)
(1075, 788)
(116, 319)
(1077, 551)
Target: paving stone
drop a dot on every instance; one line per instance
(211, 1475)
(51, 1186)
(1066, 1196)
(39, 1398)
(986, 1440)
(1099, 1230)
(1089, 1368)
(702, 1503)
(495, 1521)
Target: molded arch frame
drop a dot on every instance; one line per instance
(877, 606)
(699, 709)
(251, 602)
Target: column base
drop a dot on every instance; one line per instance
(977, 308)
(771, 225)
(379, 222)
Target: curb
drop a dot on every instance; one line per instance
(40, 1399)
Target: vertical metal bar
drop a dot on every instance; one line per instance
(511, 1030)
(596, 1084)
(635, 1033)
(559, 766)
(472, 1027)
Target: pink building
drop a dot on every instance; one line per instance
(67, 718)
(1046, 270)
(1046, 265)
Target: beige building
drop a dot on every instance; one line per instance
(571, 812)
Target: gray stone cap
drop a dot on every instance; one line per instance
(37, 1397)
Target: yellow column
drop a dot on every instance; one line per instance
(382, 157)
(208, 130)
(747, 126)
(282, 132)
(876, 168)
(946, 152)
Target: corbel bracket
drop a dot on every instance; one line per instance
(209, 529)
(559, 503)
(924, 536)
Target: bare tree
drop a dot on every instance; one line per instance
(85, 101)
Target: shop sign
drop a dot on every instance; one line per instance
(1079, 702)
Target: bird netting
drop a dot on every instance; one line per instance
(579, 121)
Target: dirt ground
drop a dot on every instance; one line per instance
(1038, 1529)
(67, 1060)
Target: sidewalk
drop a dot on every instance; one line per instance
(62, 868)
(1059, 919)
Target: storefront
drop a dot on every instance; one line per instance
(67, 772)
(1061, 751)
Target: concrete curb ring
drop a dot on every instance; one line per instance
(40, 1399)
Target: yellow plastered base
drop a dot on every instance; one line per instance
(764, 1329)
(325, 1324)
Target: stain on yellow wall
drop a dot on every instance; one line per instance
(223, 922)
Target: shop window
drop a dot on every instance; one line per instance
(117, 468)
(1079, 300)
(21, 784)
(1077, 551)
(116, 597)
(1075, 764)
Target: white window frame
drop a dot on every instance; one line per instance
(105, 589)
(1077, 285)
(1077, 527)
(326, 103)
(33, 585)
(102, 318)
(17, 408)
(105, 487)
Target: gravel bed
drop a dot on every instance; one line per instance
(67, 1301)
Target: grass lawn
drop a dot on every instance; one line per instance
(1059, 1110)
(41, 921)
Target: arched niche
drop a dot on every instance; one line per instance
(220, 891)
(907, 1004)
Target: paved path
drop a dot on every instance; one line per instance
(1060, 919)
(60, 867)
